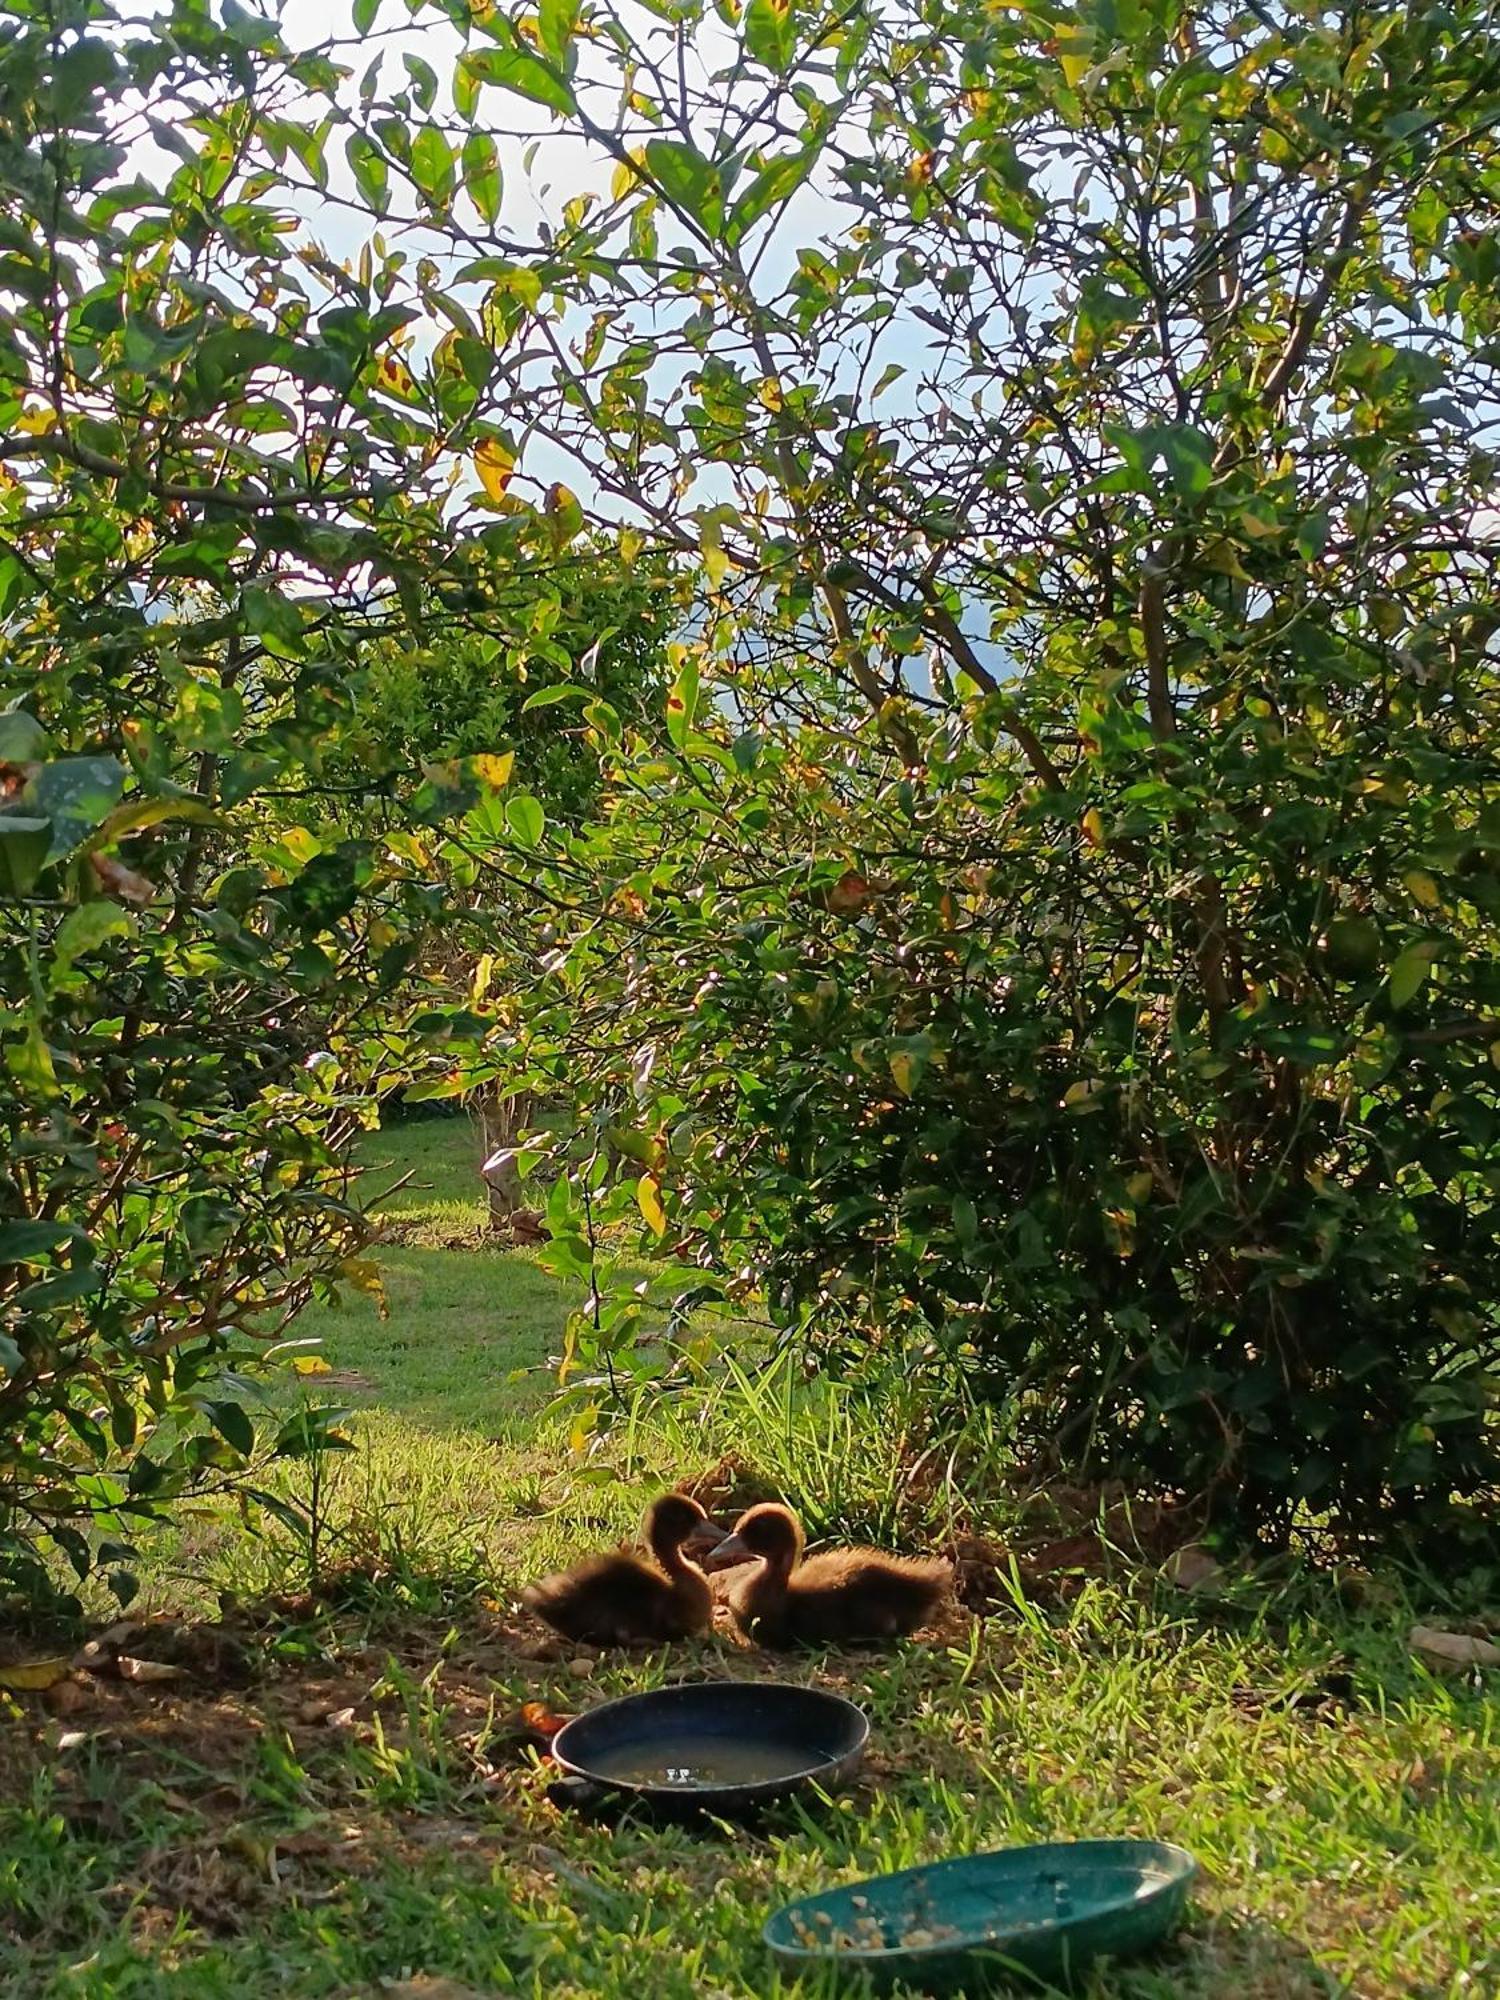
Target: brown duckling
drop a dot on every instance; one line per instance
(840, 1595)
(620, 1599)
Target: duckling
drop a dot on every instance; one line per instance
(622, 1600)
(841, 1595)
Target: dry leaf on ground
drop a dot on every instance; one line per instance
(1452, 1652)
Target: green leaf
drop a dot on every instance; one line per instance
(424, 82)
(136, 814)
(515, 69)
(84, 929)
(525, 818)
(1189, 455)
(690, 182)
(22, 738)
(312, 1431)
(364, 15)
(466, 82)
(556, 23)
(563, 515)
(35, 1242)
(24, 845)
(682, 702)
(771, 33)
(232, 1424)
(371, 174)
(771, 185)
(30, 1063)
(75, 793)
(1409, 974)
(432, 165)
(82, 70)
(907, 1058)
(481, 164)
(547, 697)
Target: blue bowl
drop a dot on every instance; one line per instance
(1044, 1913)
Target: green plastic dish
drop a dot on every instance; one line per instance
(1043, 1913)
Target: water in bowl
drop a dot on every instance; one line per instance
(701, 1763)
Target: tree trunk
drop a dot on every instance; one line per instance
(501, 1120)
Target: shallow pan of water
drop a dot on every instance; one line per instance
(723, 1745)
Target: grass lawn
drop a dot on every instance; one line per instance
(335, 1803)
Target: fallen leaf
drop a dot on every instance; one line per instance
(340, 1718)
(1191, 1569)
(34, 1676)
(1452, 1652)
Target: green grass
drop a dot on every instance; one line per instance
(229, 1841)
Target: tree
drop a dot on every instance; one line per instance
(223, 482)
(1059, 925)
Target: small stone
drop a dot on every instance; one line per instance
(582, 1668)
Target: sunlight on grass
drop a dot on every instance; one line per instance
(248, 1851)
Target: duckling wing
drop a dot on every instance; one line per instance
(864, 1594)
(607, 1601)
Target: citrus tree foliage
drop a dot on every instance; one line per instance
(224, 470)
(498, 664)
(1056, 932)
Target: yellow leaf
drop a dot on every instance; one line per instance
(632, 541)
(648, 1200)
(33, 1676)
(494, 771)
(394, 375)
(904, 1072)
(716, 565)
(495, 466)
(311, 1364)
(1093, 827)
(365, 1277)
(626, 174)
(582, 1429)
(769, 394)
(1081, 1096)
(1222, 555)
(36, 422)
(1074, 69)
(1423, 888)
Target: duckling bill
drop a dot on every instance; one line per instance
(839, 1596)
(622, 1600)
